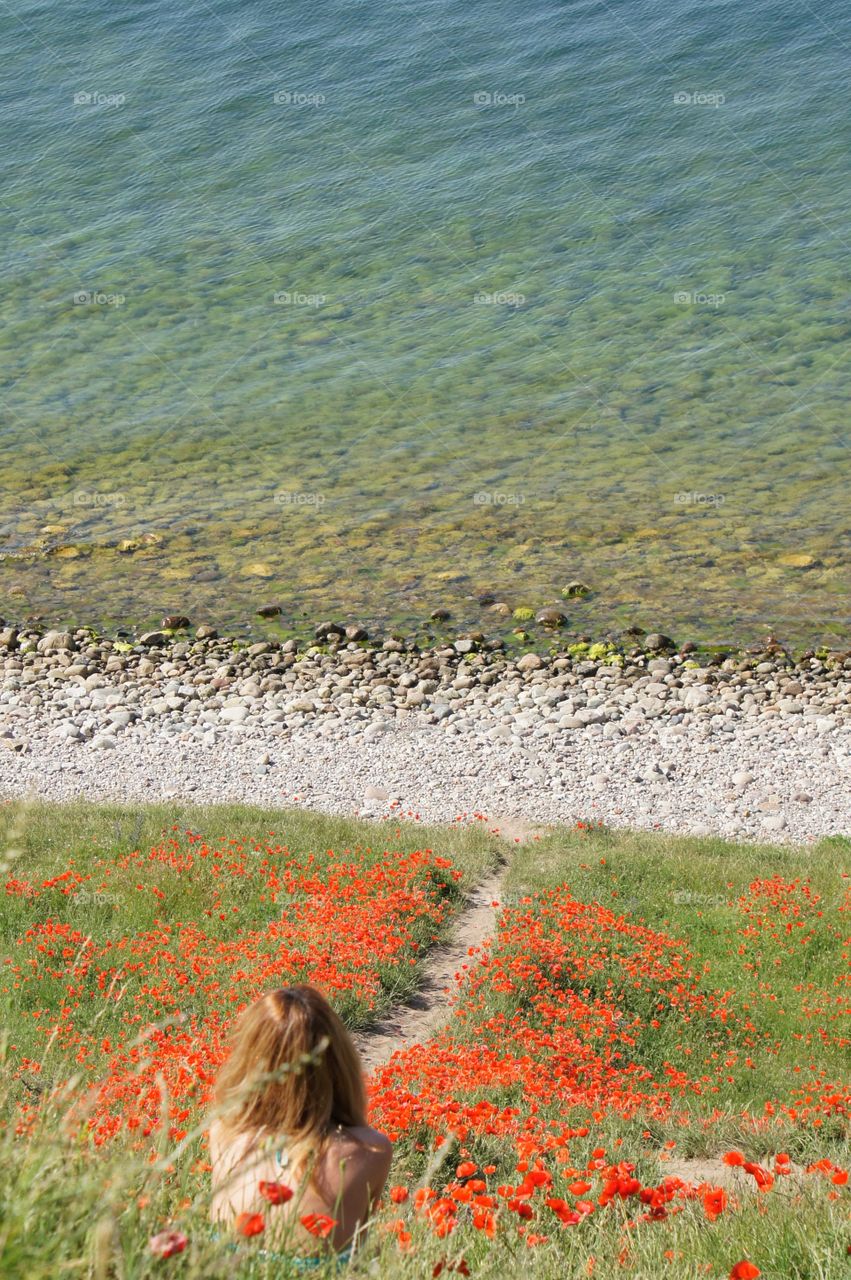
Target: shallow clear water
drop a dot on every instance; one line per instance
(479, 304)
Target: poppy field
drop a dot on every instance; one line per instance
(645, 1073)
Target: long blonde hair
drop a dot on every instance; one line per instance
(293, 1074)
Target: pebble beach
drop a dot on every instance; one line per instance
(755, 746)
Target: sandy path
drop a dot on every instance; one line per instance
(419, 1017)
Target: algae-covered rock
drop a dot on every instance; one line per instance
(551, 618)
(797, 560)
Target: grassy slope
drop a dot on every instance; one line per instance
(690, 889)
(683, 886)
(41, 841)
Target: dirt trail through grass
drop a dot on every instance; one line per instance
(416, 1019)
(420, 1016)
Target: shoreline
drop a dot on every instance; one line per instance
(751, 747)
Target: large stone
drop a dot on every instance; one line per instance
(797, 560)
(530, 662)
(551, 618)
(656, 641)
(326, 630)
(54, 641)
(234, 715)
(774, 822)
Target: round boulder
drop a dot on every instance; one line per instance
(656, 642)
(550, 618)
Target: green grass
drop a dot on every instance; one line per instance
(37, 838)
(689, 889)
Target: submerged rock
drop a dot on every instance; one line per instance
(551, 618)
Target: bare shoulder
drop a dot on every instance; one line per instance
(364, 1144)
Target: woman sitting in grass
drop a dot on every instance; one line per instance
(293, 1156)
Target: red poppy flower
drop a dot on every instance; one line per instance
(764, 1180)
(715, 1201)
(275, 1192)
(744, 1271)
(485, 1221)
(249, 1224)
(165, 1244)
(318, 1224)
(522, 1208)
(398, 1195)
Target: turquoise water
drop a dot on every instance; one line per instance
(387, 306)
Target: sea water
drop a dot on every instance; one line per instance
(367, 308)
